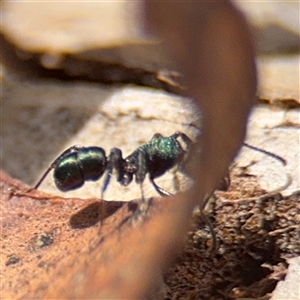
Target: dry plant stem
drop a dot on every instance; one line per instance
(211, 43)
(209, 73)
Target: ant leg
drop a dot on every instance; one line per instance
(188, 145)
(106, 181)
(156, 136)
(102, 210)
(207, 221)
(115, 161)
(53, 165)
(160, 190)
(188, 142)
(141, 174)
(142, 167)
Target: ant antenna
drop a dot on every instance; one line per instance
(279, 158)
(214, 247)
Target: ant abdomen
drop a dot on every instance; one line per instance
(74, 168)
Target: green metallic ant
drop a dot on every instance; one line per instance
(78, 164)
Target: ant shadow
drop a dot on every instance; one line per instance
(91, 215)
